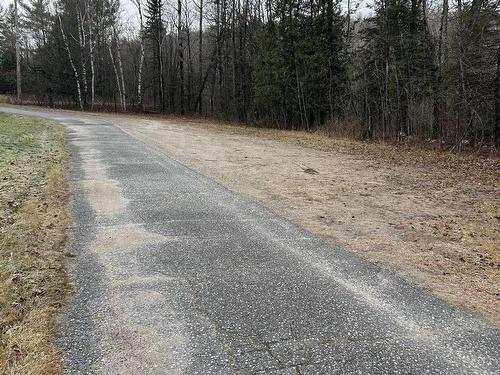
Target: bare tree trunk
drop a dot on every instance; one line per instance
(162, 78)
(224, 66)
(117, 77)
(190, 64)
(140, 99)
(440, 101)
(331, 86)
(120, 67)
(217, 71)
(18, 55)
(497, 102)
(75, 72)
(181, 52)
(200, 59)
(234, 68)
(461, 88)
(242, 63)
(211, 66)
(140, 94)
(92, 66)
(82, 43)
(368, 129)
(443, 35)
(385, 113)
(159, 50)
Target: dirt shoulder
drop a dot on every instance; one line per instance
(431, 217)
(34, 222)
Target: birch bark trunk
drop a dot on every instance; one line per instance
(117, 77)
(140, 94)
(120, 67)
(92, 68)
(82, 44)
(200, 59)
(18, 55)
(181, 52)
(75, 72)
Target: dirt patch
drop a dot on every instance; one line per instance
(104, 194)
(132, 343)
(433, 217)
(124, 237)
(34, 223)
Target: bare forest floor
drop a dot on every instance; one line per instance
(431, 217)
(34, 222)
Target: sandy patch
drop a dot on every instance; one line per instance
(94, 169)
(125, 237)
(134, 344)
(104, 196)
(132, 340)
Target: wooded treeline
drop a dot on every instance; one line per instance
(412, 69)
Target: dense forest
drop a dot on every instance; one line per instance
(399, 69)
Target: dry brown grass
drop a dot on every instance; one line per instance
(5, 99)
(416, 154)
(34, 219)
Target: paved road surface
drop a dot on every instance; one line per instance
(177, 275)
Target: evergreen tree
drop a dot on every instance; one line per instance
(7, 51)
(37, 20)
(300, 68)
(155, 32)
(399, 66)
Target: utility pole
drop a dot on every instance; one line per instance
(18, 57)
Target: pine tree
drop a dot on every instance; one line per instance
(155, 31)
(7, 50)
(37, 20)
(301, 64)
(399, 64)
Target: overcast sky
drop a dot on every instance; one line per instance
(130, 17)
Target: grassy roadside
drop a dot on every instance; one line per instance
(34, 219)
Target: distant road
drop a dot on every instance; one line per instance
(177, 275)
